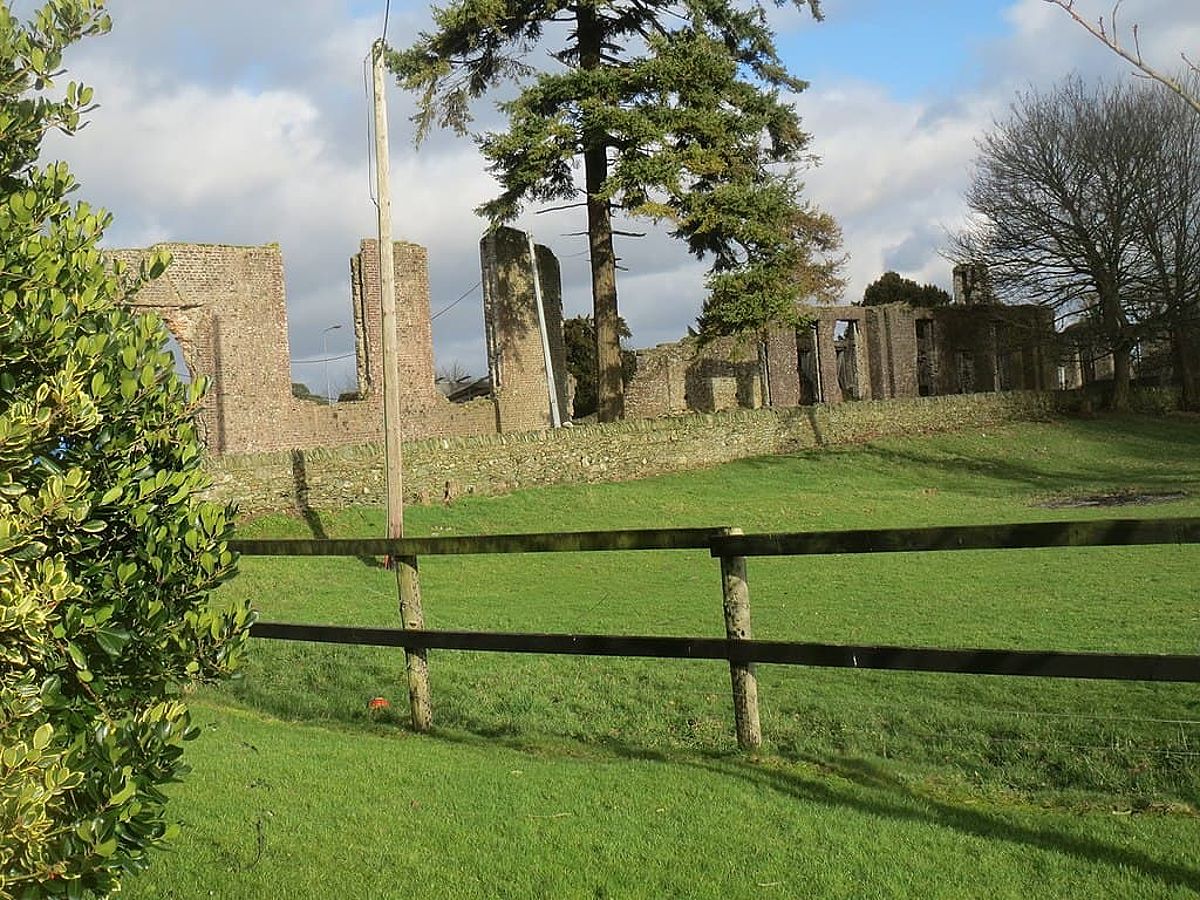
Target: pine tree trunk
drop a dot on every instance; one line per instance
(610, 390)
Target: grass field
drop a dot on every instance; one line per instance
(564, 777)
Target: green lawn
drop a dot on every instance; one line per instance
(557, 776)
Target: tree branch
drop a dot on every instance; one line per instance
(1112, 41)
(547, 209)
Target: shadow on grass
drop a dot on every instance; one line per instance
(1168, 448)
(830, 779)
(868, 789)
(888, 796)
(300, 489)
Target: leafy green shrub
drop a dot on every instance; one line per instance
(107, 554)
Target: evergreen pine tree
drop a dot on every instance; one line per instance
(676, 113)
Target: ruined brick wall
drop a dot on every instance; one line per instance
(683, 377)
(783, 368)
(424, 411)
(802, 365)
(226, 307)
(725, 374)
(994, 347)
(414, 329)
(883, 346)
(892, 350)
(825, 321)
(516, 355)
(659, 383)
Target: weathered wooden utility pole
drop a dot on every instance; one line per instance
(411, 614)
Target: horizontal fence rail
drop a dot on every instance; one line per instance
(549, 542)
(719, 542)
(1107, 666)
(1101, 533)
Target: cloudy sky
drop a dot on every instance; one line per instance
(246, 123)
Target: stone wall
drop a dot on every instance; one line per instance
(225, 307)
(892, 351)
(843, 353)
(659, 386)
(435, 469)
(994, 348)
(414, 329)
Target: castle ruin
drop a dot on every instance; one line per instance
(226, 307)
(844, 353)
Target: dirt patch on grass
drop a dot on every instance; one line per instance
(1128, 497)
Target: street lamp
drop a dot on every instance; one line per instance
(325, 357)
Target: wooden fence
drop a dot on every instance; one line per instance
(738, 647)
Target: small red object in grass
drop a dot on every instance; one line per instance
(378, 703)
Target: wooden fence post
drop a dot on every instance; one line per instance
(736, 600)
(412, 617)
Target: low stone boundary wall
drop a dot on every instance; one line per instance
(444, 468)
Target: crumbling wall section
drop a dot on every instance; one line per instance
(991, 347)
(521, 380)
(687, 377)
(892, 350)
(849, 351)
(783, 369)
(659, 383)
(226, 307)
(414, 328)
(839, 353)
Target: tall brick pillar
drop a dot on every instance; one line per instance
(414, 329)
(783, 367)
(516, 355)
(831, 389)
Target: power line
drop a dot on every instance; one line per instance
(322, 359)
(461, 298)
(370, 134)
(387, 8)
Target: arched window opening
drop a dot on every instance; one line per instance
(176, 350)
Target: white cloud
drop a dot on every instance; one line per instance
(893, 174)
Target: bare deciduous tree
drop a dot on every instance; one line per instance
(1169, 214)
(1087, 199)
(1108, 33)
(1055, 197)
